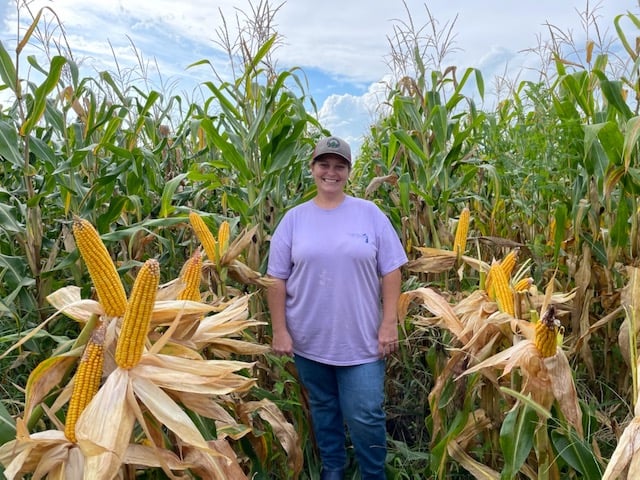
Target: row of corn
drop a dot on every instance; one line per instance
(504, 290)
(128, 322)
(490, 331)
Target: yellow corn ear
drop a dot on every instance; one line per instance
(102, 270)
(86, 381)
(462, 230)
(503, 293)
(191, 275)
(523, 285)
(488, 286)
(204, 235)
(137, 317)
(223, 238)
(546, 334)
(509, 262)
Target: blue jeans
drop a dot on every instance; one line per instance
(353, 395)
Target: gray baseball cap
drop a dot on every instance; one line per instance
(332, 145)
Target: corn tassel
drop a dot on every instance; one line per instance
(460, 240)
(137, 317)
(87, 380)
(102, 270)
(547, 334)
(204, 235)
(509, 262)
(191, 275)
(503, 293)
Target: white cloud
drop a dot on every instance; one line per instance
(347, 40)
(350, 116)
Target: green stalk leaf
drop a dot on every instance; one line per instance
(7, 69)
(40, 99)
(577, 453)
(9, 144)
(166, 207)
(516, 438)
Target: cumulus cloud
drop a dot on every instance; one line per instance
(350, 116)
(346, 40)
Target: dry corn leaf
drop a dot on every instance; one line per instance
(564, 389)
(477, 469)
(49, 452)
(238, 245)
(224, 466)
(438, 306)
(626, 454)
(283, 430)
(437, 260)
(44, 377)
(226, 425)
(166, 411)
(102, 438)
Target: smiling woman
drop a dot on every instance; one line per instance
(334, 260)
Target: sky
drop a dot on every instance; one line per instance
(342, 46)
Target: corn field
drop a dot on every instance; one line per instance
(135, 229)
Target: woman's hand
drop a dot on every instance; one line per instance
(388, 338)
(282, 344)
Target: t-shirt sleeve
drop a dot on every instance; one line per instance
(279, 263)
(391, 253)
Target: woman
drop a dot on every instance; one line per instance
(335, 261)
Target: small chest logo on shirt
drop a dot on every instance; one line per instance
(362, 236)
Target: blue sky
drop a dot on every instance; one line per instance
(342, 46)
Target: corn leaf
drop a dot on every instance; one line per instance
(576, 452)
(516, 439)
(41, 93)
(7, 69)
(9, 144)
(166, 207)
(7, 425)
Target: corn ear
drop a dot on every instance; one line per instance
(488, 286)
(462, 230)
(204, 235)
(523, 285)
(102, 270)
(191, 275)
(137, 317)
(509, 262)
(503, 293)
(223, 238)
(87, 380)
(547, 333)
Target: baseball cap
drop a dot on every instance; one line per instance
(333, 145)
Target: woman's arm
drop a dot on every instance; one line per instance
(388, 332)
(281, 342)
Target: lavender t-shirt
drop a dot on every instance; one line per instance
(332, 261)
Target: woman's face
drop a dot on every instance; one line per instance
(330, 173)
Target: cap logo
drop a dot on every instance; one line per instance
(333, 143)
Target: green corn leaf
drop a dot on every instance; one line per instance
(7, 425)
(166, 207)
(631, 140)
(577, 453)
(9, 144)
(40, 99)
(7, 69)
(516, 438)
